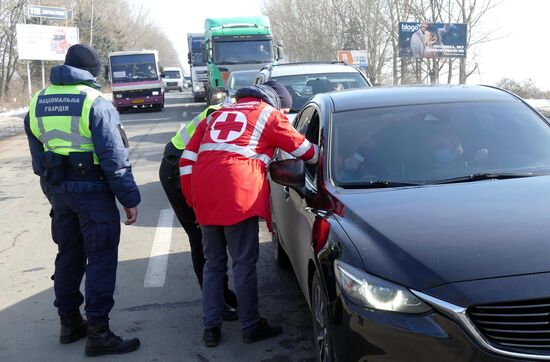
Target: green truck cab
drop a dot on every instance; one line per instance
(240, 43)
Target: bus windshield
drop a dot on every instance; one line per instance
(134, 67)
(237, 52)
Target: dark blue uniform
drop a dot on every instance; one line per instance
(85, 218)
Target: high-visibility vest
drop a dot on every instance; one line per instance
(184, 134)
(59, 116)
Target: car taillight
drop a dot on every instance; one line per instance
(321, 229)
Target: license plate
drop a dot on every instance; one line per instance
(136, 101)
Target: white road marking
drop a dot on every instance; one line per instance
(158, 261)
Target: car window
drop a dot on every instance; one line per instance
(433, 142)
(309, 127)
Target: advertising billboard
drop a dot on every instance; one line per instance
(44, 42)
(432, 40)
(49, 12)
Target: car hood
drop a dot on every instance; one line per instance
(423, 237)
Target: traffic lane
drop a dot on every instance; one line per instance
(168, 319)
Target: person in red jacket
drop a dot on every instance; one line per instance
(223, 173)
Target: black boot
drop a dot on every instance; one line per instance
(102, 341)
(260, 331)
(212, 336)
(73, 327)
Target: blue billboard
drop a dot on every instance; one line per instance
(432, 40)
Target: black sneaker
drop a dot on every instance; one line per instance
(229, 314)
(212, 336)
(262, 330)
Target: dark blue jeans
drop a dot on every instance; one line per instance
(242, 242)
(86, 229)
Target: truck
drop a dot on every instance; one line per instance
(197, 66)
(136, 79)
(239, 43)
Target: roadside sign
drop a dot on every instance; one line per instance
(49, 12)
(353, 57)
(44, 42)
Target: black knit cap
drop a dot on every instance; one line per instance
(83, 56)
(284, 95)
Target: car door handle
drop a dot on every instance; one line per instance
(317, 212)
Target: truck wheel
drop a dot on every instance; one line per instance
(120, 110)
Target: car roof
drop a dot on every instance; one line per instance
(411, 95)
(281, 70)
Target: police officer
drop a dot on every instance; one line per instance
(223, 174)
(78, 149)
(169, 175)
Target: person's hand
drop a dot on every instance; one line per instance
(131, 215)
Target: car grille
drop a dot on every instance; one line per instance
(139, 93)
(171, 84)
(519, 326)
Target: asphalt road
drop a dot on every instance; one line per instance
(157, 297)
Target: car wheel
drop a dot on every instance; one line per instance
(322, 326)
(279, 253)
(120, 110)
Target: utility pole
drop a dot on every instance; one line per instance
(92, 25)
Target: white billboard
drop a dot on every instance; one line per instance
(44, 42)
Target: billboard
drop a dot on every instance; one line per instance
(353, 57)
(44, 42)
(432, 40)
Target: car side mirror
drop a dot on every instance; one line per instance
(189, 58)
(291, 173)
(106, 72)
(205, 55)
(162, 75)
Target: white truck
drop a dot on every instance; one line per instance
(197, 66)
(136, 79)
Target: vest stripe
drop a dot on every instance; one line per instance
(186, 170)
(259, 127)
(189, 155)
(304, 147)
(241, 150)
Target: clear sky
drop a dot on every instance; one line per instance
(521, 51)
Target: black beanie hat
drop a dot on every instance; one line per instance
(84, 57)
(284, 95)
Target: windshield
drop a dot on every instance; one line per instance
(236, 52)
(304, 86)
(196, 52)
(436, 142)
(172, 74)
(238, 80)
(134, 67)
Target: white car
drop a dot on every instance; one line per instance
(173, 79)
(306, 79)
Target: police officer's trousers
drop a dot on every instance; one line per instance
(242, 242)
(170, 180)
(86, 229)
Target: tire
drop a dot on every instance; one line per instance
(322, 325)
(279, 254)
(120, 110)
(198, 99)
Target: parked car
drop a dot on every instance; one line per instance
(238, 79)
(173, 79)
(306, 79)
(423, 233)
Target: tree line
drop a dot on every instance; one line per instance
(316, 29)
(116, 26)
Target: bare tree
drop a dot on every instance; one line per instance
(11, 13)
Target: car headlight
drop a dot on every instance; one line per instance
(199, 88)
(118, 95)
(155, 93)
(374, 293)
(219, 95)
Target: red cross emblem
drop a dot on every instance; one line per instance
(228, 126)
